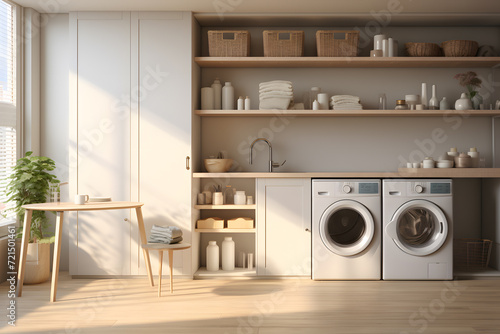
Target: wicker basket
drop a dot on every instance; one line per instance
(283, 43)
(460, 48)
(471, 254)
(337, 43)
(228, 43)
(423, 50)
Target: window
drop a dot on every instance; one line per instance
(8, 110)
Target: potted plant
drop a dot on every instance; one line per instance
(29, 183)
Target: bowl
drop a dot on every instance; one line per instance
(218, 165)
(444, 164)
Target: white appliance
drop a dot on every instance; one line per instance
(417, 230)
(346, 225)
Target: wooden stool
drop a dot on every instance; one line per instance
(170, 248)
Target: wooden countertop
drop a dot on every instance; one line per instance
(401, 173)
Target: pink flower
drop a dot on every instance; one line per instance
(468, 79)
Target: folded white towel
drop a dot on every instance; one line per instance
(275, 94)
(337, 98)
(275, 82)
(164, 234)
(274, 89)
(280, 103)
(348, 107)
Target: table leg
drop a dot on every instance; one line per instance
(57, 256)
(24, 250)
(171, 266)
(142, 232)
(160, 265)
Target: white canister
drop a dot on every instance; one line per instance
(390, 46)
(474, 154)
(323, 101)
(429, 163)
(207, 98)
(228, 254)
(201, 199)
(385, 48)
(217, 198)
(212, 256)
(240, 198)
(228, 97)
(217, 87)
(249, 200)
(377, 42)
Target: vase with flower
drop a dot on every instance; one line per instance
(470, 81)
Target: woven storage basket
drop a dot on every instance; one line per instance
(423, 50)
(337, 43)
(471, 254)
(228, 43)
(283, 43)
(460, 48)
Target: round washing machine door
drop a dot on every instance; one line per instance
(418, 227)
(346, 227)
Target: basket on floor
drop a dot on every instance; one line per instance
(471, 254)
(228, 43)
(337, 43)
(283, 43)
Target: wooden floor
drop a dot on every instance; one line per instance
(257, 306)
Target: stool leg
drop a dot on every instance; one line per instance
(160, 256)
(171, 265)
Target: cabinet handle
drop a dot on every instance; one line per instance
(125, 220)
(308, 230)
(187, 162)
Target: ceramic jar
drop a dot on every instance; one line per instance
(240, 198)
(429, 163)
(463, 161)
(463, 103)
(212, 256)
(474, 155)
(228, 254)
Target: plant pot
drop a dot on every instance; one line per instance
(37, 262)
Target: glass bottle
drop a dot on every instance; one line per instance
(228, 195)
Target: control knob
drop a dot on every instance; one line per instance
(346, 188)
(419, 189)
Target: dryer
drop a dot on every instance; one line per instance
(417, 230)
(346, 226)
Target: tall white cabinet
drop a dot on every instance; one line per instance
(284, 227)
(130, 133)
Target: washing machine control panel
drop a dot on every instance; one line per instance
(429, 188)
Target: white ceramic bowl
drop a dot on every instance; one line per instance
(444, 164)
(218, 165)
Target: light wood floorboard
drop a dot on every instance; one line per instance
(257, 307)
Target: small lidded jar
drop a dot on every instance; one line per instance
(401, 105)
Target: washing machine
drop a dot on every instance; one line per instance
(346, 226)
(417, 230)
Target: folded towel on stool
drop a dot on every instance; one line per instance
(165, 234)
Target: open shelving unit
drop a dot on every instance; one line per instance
(348, 113)
(226, 207)
(348, 62)
(225, 230)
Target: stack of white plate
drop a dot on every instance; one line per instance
(100, 199)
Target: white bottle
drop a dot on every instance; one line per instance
(434, 102)
(424, 102)
(217, 87)
(228, 254)
(212, 256)
(444, 104)
(315, 105)
(390, 43)
(240, 198)
(385, 48)
(377, 42)
(240, 103)
(228, 97)
(474, 154)
(247, 103)
(207, 98)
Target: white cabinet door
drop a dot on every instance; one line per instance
(100, 136)
(161, 78)
(283, 227)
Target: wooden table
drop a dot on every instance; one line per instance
(60, 208)
(170, 248)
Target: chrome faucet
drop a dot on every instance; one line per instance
(272, 164)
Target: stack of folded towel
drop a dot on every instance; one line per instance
(165, 234)
(275, 94)
(345, 102)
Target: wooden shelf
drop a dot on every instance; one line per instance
(237, 272)
(226, 207)
(225, 230)
(347, 113)
(401, 173)
(349, 62)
